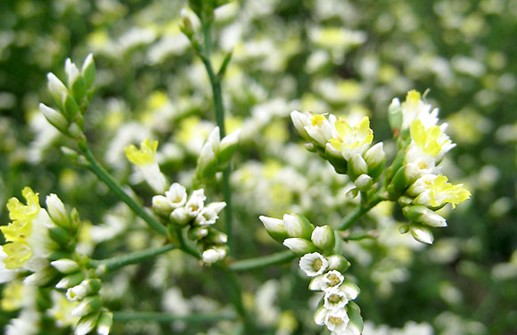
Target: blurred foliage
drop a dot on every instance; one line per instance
(326, 56)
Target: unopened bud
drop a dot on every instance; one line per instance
(88, 71)
(56, 210)
(105, 322)
(71, 280)
(86, 324)
(57, 90)
(363, 182)
(54, 118)
(87, 306)
(422, 214)
(298, 226)
(65, 265)
(421, 234)
(274, 227)
(299, 245)
(324, 238)
(338, 262)
(357, 166)
(375, 157)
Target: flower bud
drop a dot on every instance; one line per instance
(198, 232)
(357, 166)
(57, 90)
(299, 245)
(213, 255)
(338, 262)
(421, 234)
(75, 80)
(87, 287)
(88, 71)
(395, 116)
(298, 226)
(363, 182)
(60, 235)
(54, 118)
(422, 214)
(180, 216)
(324, 238)
(65, 266)
(86, 324)
(300, 120)
(87, 306)
(162, 205)
(104, 323)
(274, 227)
(57, 212)
(71, 280)
(375, 157)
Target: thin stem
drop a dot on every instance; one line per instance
(261, 262)
(215, 82)
(117, 262)
(105, 177)
(166, 318)
(353, 217)
(232, 288)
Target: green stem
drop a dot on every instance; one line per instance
(215, 82)
(166, 318)
(231, 286)
(117, 262)
(353, 217)
(261, 262)
(105, 177)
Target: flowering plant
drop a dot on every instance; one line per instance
(193, 188)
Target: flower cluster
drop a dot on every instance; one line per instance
(41, 247)
(320, 262)
(192, 213)
(71, 99)
(417, 181)
(345, 143)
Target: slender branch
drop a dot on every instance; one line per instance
(261, 262)
(105, 177)
(117, 262)
(353, 217)
(232, 288)
(215, 82)
(166, 318)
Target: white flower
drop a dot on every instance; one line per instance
(313, 264)
(330, 279)
(196, 202)
(336, 320)
(334, 298)
(209, 214)
(177, 195)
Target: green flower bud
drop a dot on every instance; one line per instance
(71, 280)
(57, 212)
(55, 118)
(275, 228)
(338, 262)
(89, 305)
(357, 166)
(86, 324)
(356, 324)
(363, 182)
(104, 323)
(375, 157)
(324, 238)
(65, 266)
(299, 245)
(421, 233)
(88, 72)
(422, 214)
(298, 226)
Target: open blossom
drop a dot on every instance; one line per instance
(314, 128)
(435, 191)
(313, 264)
(351, 138)
(145, 159)
(27, 241)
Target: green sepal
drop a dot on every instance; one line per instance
(61, 236)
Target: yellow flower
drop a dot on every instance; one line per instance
(352, 139)
(18, 211)
(144, 156)
(431, 141)
(440, 192)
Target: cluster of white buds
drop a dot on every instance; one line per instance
(345, 143)
(71, 98)
(216, 154)
(415, 179)
(320, 262)
(199, 218)
(40, 246)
